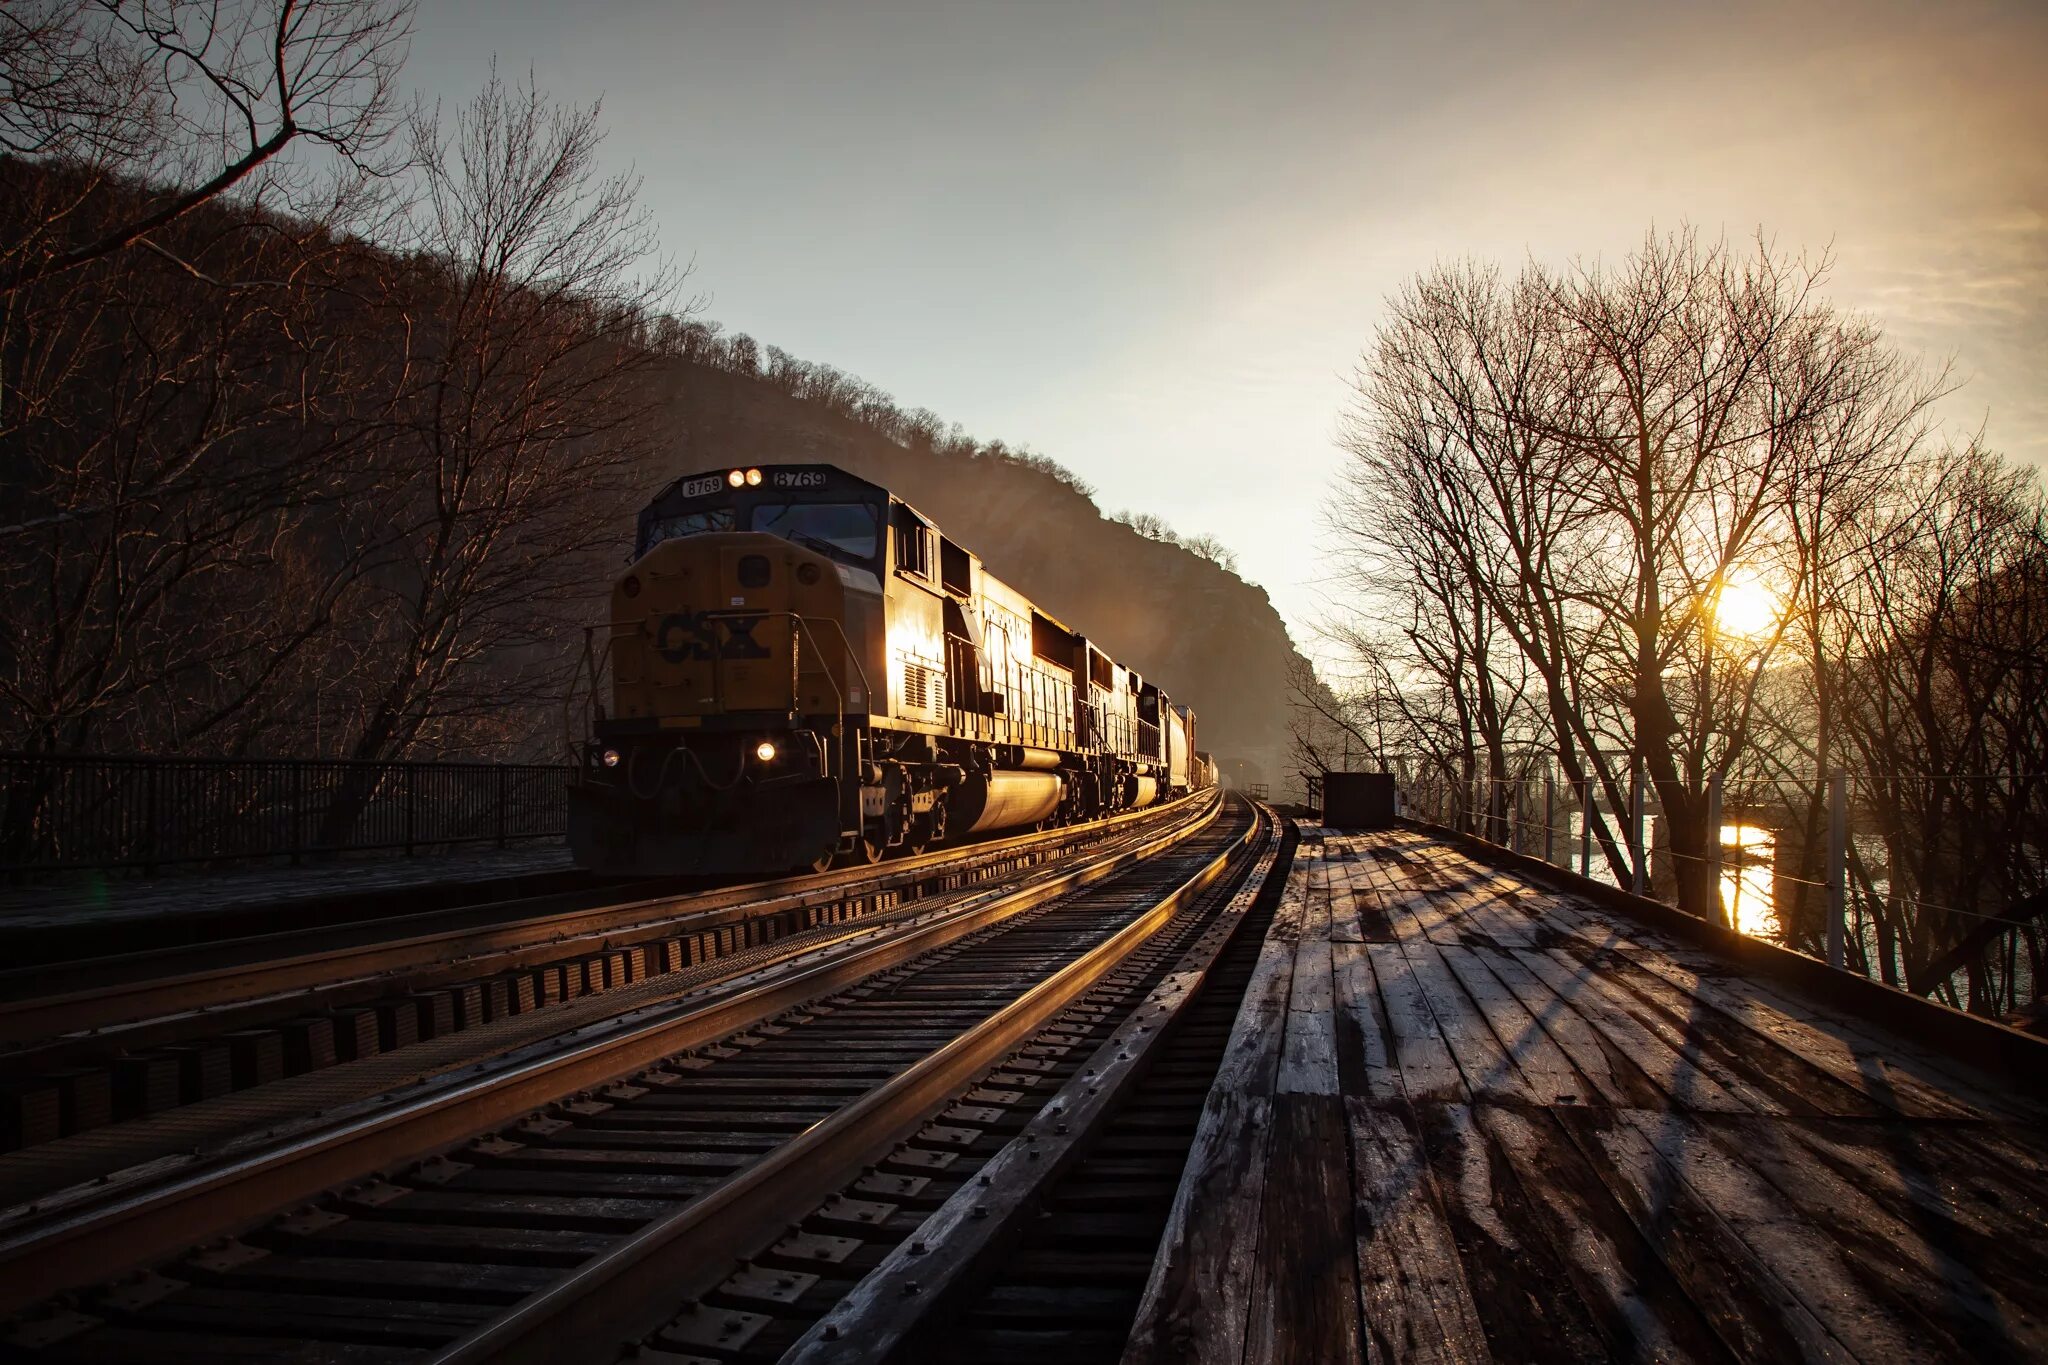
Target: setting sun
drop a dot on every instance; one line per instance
(1745, 606)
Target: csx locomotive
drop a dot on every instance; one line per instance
(802, 667)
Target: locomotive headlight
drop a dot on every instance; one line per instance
(765, 751)
(736, 478)
(610, 758)
(753, 478)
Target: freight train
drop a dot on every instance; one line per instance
(799, 667)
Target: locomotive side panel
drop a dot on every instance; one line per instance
(916, 665)
(1179, 747)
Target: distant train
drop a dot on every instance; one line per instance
(802, 667)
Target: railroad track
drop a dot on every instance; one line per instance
(129, 1035)
(590, 1198)
(243, 914)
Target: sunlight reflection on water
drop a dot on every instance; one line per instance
(1746, 855)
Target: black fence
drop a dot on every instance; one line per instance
(72, 812)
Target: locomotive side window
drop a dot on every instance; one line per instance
(913, 542)
(843, 530)
(688, 524)
(954, 574)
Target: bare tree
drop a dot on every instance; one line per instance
(1939, 671)
(170, 445)
(182, 101)
(529, 295)
(1590, 455)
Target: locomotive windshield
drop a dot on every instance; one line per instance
(688, 524)
(848, 531)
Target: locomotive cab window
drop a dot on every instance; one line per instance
(843, 530)
(687, 524)
(913, 542)
(1101, 671)
(954, 574)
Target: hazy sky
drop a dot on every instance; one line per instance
(1150, 241)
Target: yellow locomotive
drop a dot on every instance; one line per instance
(802, 667)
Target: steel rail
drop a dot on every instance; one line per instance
(78, 1246)
(150, 995)
(914, 1282)
(631, 1289)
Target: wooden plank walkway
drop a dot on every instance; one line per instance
(1465, 1119)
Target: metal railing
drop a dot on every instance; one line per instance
(69, 811)
(1905, 878)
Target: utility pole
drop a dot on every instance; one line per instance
(1549, 814)
(1635, 827)
(1838, 865)
(1586, 827)
(1714, 846)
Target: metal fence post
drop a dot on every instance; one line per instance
(152, 809)
(1714, 843)
(1586, 827)
(502, 770)
(1549, 816)
(407, 769)
(298, 839)
(1637, 853)
(1838, 864)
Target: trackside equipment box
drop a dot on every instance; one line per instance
(1358, 800)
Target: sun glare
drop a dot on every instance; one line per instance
(1745, 606)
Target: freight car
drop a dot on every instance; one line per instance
(799, 666)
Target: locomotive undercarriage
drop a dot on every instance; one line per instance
(710, 803)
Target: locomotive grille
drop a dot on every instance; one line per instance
(916, 688)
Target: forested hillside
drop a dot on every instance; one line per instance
(279, 488)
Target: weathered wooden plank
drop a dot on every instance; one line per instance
(1489, 1072)
(1308, 1058)
(1803, 1253)
(1416, 1305)
(1550, 1076)
(1306, 1310)
(1428, 1071)
(1631, 1296)
(1520, 1289)
(1572, 917)
(1676, 1065)
(1838, 1045)
(1292, 910)
(1405, 902)
(1758, 1314)
(1972, 1189)
(1613, 1075)
(1474, 904)
(1365, 1045)
(1793, 1083)
(1199, 1297)
(1914, 1259)
(1355, 916)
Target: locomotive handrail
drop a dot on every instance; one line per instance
(804, 624)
